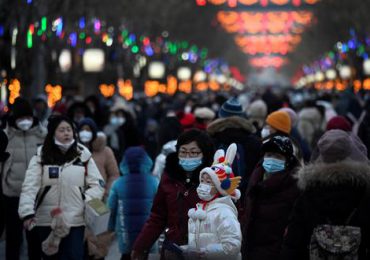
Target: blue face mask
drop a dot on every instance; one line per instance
(272, 165)
(190, 164)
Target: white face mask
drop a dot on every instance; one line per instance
(64, 147)
(265, 132)
(117, 121)
(85, 136)
(24, 124)
(204, 192)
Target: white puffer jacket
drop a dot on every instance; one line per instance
(215, 230)
(66, 186)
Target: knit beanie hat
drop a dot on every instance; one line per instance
(257, 109)
(280, 120)
(292, 114)
(187, 121)
(204, 113)
(222, 174)
(281, 145)
(21, 108)
(337, 145)
(231, 107)
(3, 145)
(91, 123)
(339, 122)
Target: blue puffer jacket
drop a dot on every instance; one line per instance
(131, 197)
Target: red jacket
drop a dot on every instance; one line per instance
(170, 207)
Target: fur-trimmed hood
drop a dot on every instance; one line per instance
(346, 172)
(235, 122)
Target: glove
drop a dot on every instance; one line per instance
(192, 253)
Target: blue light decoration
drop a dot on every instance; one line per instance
(82, 23)
(29, 2)
(73, 39)
(352, 44)
(344, 48)
(1, 30)
(149, 50)
(132, 37)
(59, 26)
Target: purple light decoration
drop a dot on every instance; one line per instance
(149, 51)
(73, 39)
(97, 25)
(82, 23)
(193, 57)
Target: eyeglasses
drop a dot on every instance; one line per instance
(192, 154)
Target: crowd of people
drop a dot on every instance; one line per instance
(200, 176)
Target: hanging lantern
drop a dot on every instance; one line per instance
(184, 73)
(93, 60)
(65, 60)
(156, 70)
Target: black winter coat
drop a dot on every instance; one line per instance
(331, 192)
(268, 206)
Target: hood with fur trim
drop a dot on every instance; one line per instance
(235, 122)
(346, 172)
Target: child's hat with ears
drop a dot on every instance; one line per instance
(222, 174)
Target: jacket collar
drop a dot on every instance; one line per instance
(235, 122)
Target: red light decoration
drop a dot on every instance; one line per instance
(264, 22)
(268, 61)
(201, 2)
(267, 44)
(264, 3)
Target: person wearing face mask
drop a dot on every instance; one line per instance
(61, 177)
(106, 162)
(176, 193)
(121, 131)
(25, 133)
(271, 194)
(102, 154)
(214, 229)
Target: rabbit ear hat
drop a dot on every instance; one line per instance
(222, 174)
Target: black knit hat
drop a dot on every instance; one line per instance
(54, 121)
(279, 144)
(21, 108)
(3, 144)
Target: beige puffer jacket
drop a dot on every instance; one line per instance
(66, 186)
(22, 146)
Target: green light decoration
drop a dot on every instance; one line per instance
(172, 48)
(43, 23)
(39, 32)
(124, 34)
(361, 50)
(204, 53)
(135, 49)
(194, 48)
(128, 42)
(82, 36)
(184, 45)
(332, 55)
(29, 39)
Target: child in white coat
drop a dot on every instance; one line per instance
(214, 229)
